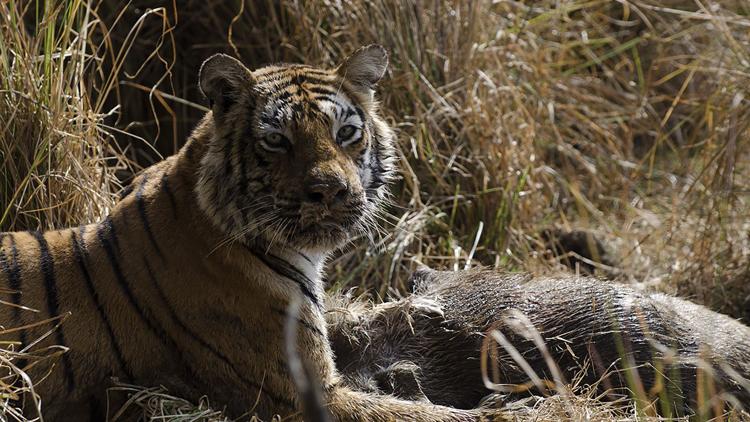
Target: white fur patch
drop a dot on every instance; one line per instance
(427, 306)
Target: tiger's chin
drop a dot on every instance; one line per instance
(325, 231)
(323, 237)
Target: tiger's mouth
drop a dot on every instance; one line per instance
(320, 228)
(329, 231)
(311, 226)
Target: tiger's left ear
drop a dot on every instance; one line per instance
(223, 79)
(365, 67)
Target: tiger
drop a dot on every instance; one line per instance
(187, 282)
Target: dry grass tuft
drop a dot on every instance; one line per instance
(583, 405)
(156, 404)
(58, 165)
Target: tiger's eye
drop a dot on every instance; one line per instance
(345, 133)
(274, 141)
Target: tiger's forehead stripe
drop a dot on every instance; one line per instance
(292, 92)
(286, 68)
(272, 82)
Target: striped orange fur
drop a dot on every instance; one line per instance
(186, 283)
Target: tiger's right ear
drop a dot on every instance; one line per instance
(222, 79)
(365, 67)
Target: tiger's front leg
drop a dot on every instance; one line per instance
(345, 404)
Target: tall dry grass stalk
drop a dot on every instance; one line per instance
(55, 146)
(57, 167)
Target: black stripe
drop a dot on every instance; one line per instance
(313, 106)
(105, 234)
(126, 191)
(276, 74)
(47, 265)
(360, 113)
(332, 101)
(16, 277)
(108, 226)
(300, 321)
(323, 90)
(297, 109)
(284, 95)
(318, 72)
(287, 68)
(349, 112)
(198, 339)
(277, 112)
(166, 189)
(281, 84)
(287, 270)
(81, 256)
(270, 121)
(13, 273)
(144, 217)
(307, 258)
(306, 79)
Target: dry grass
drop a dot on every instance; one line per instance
(624, 118)
(627, 119)
(156, 404)
(58, 166)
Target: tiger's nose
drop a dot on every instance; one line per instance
(327, 192)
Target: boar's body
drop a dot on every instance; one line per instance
(428, 346)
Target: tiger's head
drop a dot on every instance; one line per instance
(298, 154)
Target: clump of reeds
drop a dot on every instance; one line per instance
(56, 153)
(156, 404)
(57, 164)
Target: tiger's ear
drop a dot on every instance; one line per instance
(222, 80)
(365, 67)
